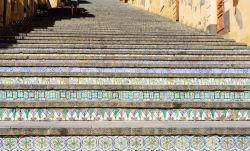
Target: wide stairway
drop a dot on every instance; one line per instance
(115, 77)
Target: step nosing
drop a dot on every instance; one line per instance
(122, 75)
(124, 128)
(125, 87)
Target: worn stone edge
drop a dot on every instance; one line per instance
(121, 131)
(123, 75)
(125, 65)
(126, 87)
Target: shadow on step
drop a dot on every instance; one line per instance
(84, 2)
(11, 34)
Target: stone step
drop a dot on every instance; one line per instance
(125, 128)
(117, 22)
(122, 114)
(107, 39)
(123, 57)
(125, 87)
(123, 72)
(84, 28)
(72, 29)
(123, 42)
(124, 46)
(118, 37)
(118, 33)
(107, 35)
(122, 75)
(123, 51)
(115, 65)
(130, 98)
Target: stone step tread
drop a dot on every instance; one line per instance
(124, 57)
(113, 46)
(124, 104)
(125, 128)
(127, 87)
(134, 37)
(69, 42)
(125, 62)
(122, 75)
(194, 66)
(132, 31)
(125, 44)
(47, 40)
(109, 36)
(123, 51)
(116, 32)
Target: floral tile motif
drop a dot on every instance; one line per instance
(125, 143)
(123, 114)
(126, 81)
(131, 96)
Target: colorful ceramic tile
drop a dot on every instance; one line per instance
(122, 70)
(124, 96)
(125, 143)
(125, 81)
(123, 114)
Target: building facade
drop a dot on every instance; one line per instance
(229, 18)
(15, 10)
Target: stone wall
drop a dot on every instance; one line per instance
(18, 9)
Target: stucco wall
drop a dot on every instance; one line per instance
(165, 8)
(239, 11)
(200, 14)
(168, 9)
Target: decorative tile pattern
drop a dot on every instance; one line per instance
(127, 81)
(9, 114)
(131, 96)
(121, 114)
(125, 143)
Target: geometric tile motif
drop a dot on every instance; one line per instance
(123, 114)
(132, 96)
(126, 81)
(9, 114)
(124, 143)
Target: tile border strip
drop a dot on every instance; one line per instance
(123, 143)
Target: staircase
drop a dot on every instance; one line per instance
(118, 78)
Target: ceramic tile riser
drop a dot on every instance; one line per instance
(120, 78)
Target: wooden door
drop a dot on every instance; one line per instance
(220, 15)
(4, 12)
(12, 9)
(177, 10)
